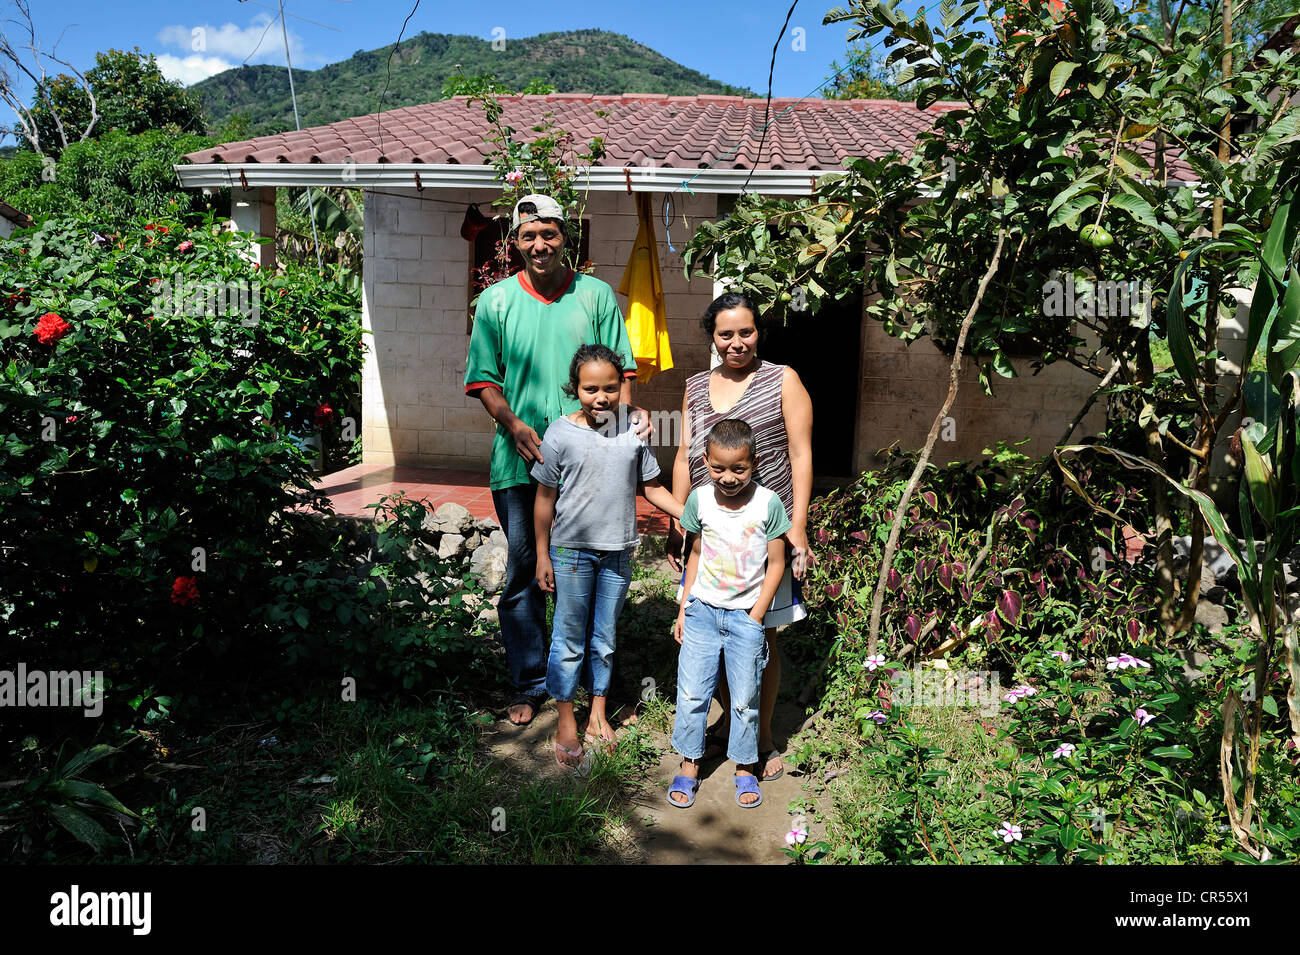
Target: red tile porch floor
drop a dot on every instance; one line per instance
(352, 489)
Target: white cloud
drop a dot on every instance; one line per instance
(192, 68)
(234, 42)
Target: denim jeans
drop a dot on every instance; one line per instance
(590, 587)
(522, 608)
(709, 631)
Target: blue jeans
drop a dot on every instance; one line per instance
(522, 608)
(590, 587)
(709, 631)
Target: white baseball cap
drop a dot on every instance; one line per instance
(543, 207)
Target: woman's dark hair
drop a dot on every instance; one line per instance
(725, 302)
(584, 356)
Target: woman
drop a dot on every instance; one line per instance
(775, 404)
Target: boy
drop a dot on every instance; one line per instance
(736, 561)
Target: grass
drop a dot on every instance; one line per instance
(381, 784)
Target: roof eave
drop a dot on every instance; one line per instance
(455, 176)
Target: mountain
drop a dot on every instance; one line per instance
(586, 61)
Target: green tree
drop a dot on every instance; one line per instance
(866, 77)
(1253, 21)
(1065, 143)
(130, 95)
(112, 179)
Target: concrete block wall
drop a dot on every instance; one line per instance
(413, 405)
(415, 303)
(904, 387)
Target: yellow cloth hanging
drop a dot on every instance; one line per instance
(647, 320)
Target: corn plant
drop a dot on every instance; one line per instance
(1268, 499)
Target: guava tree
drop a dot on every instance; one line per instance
(1096, 151)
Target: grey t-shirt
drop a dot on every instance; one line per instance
(597, 472)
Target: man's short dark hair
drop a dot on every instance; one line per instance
(730, 434)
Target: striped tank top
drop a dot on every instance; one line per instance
(760, 408)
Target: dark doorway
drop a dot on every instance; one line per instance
(824, 348)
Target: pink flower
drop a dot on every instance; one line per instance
(1009, 833)
(1124, 661)
(1142, 716)
(796, 837)
(1060, 655)
(185, 246)
(1065, 749)
(515, 177)
(874, 661)
(879, 717)
(1018, 693)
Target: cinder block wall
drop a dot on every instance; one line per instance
(904, 387)
(415, 298)
(416, 290)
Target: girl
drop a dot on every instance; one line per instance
(590, 465)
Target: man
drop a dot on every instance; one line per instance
(526, 329)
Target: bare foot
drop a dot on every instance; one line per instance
(521, 713)
(773, 767)
(691, 771)
(600, 730)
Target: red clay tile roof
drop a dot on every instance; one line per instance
(684, 132)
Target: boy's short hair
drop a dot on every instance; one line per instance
(731, 434)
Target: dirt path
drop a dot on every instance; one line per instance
(714, 831)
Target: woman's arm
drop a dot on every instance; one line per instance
(543, 517)
(662, 498)
(796, 407)
(681, 488)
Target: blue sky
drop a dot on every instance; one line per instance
(728, 40)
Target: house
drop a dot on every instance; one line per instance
(11, 218)
(422, 166)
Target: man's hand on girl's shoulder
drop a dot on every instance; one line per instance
(641, 423)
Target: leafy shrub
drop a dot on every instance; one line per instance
(149, 476)
(387, 610)
(113, 180)
(962, 577)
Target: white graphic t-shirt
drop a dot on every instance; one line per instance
(733, 545)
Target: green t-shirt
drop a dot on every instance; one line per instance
(523, 344)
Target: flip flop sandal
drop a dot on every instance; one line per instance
(562, 751)
(687, 787)
(747, 784)
(775, 754)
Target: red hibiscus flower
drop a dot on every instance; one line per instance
(51, 328)
(185, 590)
(69, 419)
(323, 413)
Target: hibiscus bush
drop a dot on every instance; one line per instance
(155, 394)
